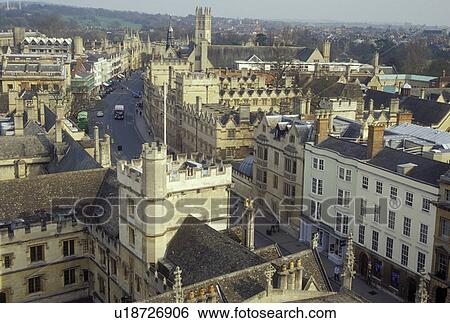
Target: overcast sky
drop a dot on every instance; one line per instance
(430, 12)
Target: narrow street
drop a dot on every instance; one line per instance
(126, 139)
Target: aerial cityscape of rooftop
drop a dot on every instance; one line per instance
(193, 158)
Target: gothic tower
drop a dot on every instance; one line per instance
(202, 25)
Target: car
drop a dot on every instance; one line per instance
(98, 98)
(100, 114)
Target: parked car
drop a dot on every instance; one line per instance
(100, 114)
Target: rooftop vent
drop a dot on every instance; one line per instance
(405, 168)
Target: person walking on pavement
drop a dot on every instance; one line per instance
(337, 271)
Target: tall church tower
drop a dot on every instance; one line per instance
(202, 25)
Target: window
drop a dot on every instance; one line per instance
(405, 253)
(389, 247)
(394, 193)
(420, 262)
(138, 284)
(289, 190)
(262, 153)
(406, 226)
(348, 175)
(426, 203)
(276, 157)
(261, 176)
(379, 187)
(113, 266)
(444, 228)
(409, 199)
(34, 285)
(131, 205)
(338, 222)
(131, 236)
(375, 236)
(447, 195)
(275, 181)
(317, 186)
(341, 173)
(423, 236)
(361, 234)
(7, 261)
(316, 209)
(37, 253)
(68, 248)
(318, 163)
(363, 210)
(365, 182)
(343, 198)
(377, 267)
(292, 139)
(231, 133)
(391, 220)
(101, 285)
(395, 278)
(102, 253)
(345, 224)
(376, 213)
(69, 276)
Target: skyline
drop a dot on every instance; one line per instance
(347, 11)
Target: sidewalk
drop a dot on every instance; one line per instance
(289, 245)
(142, 129)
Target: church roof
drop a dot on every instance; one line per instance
(204, 253)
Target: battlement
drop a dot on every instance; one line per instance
(196, 76)
(166, 62)
(203, 11)
(56, 221)
(154, 151)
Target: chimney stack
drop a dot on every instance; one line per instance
(422, 93)
(404, 117)
(322, 126)
(375, 142)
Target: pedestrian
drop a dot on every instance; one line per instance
(337, 271)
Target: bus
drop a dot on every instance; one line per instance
(82, 121)
(119, 112)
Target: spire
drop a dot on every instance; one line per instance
(349, 272)
(178, 286)
(170, 38)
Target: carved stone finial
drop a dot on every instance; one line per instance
(422, 292)
(299, 263)
(315, 241)
(270, 271)
(178, 286)
(349, 264)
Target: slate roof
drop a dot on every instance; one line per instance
(24, 197)
(345, 148)
(75, 158)
(245, 166)
(305, 53)
(21, 147)
(204, 253)
(425, 112)
(427, 170)
(241, 285)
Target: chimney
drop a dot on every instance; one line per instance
(321, 126)
(249, 225)
(198, 103)
(371, 106)
(59, 123)
(244, 113)
(18, 123)
(375, 141)
(404, 117)
(394, 107)
(97, 152)
(308, 106)
(105, 149)
(422, 93)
